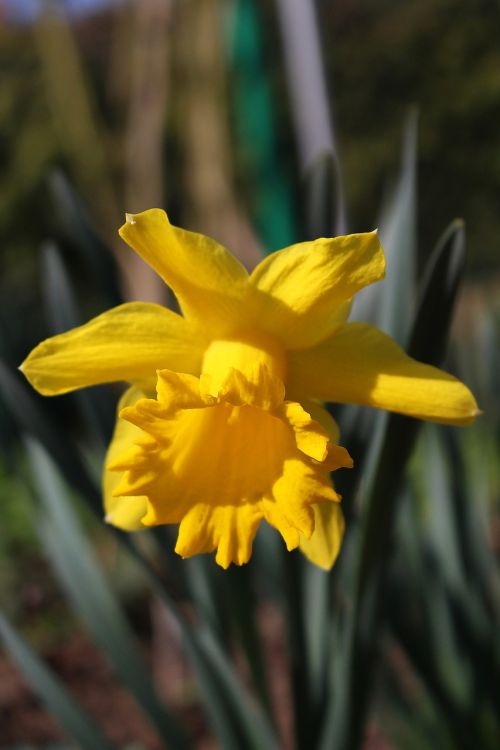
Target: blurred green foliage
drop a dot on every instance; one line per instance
(442, 56)
(381, 57)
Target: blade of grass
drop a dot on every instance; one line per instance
(443, 530)
(66, 710)
(304, 712)
(75, 226)
(317, 623)
(240, 592)
(84, 584)
(399, 237)
(390, 303)
(62, 313)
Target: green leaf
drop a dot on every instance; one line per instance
(305, 718)
(206, 592)
(322, 184)
(81, 235)
(379, 494)
(236, 720)
(227, 701)
(57, 291)
(390, 303)
(84, 583)
(443, 531)
(438, 292)
(70, 715)
(239, 589)
(316, 615)
(62, 312)
(36, 419)
(398, 236)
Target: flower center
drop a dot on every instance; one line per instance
(254, 358)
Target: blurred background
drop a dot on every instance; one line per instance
(107, 107)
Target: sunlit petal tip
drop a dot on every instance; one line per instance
(33, 370)
(291, 537)
(133, 221)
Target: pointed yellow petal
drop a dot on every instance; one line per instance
(123, 512)
(129, 342)
(303, 292)
(361, 365)
(323, 546)
(208, 281)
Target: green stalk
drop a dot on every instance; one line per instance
(303, 711)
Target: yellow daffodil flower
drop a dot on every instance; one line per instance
(223, 426)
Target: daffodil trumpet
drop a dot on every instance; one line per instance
(222, 425)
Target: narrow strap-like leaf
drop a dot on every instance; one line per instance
(86, 588)
(66, 710)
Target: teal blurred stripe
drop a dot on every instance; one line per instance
(255, 129)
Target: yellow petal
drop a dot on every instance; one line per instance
(124, 512)
(303, 293)
(218, 469)
(361, 365)
(323, 546)
(129, 342)
(208, 281)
